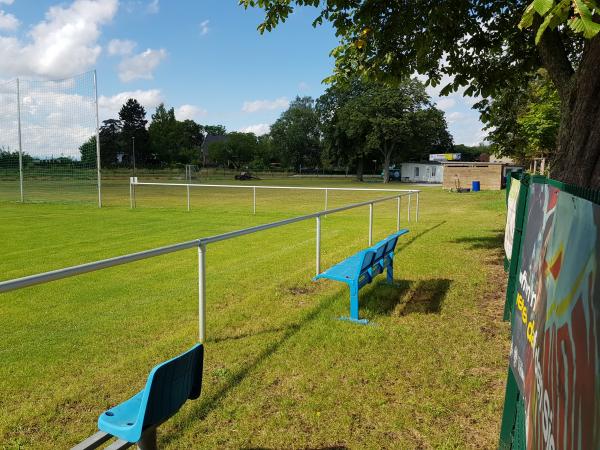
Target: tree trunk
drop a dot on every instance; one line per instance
(387, 160)
(360, 166)
(577, 159)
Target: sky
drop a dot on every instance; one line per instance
(205, 58)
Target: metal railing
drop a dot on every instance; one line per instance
(202, 243)
(133, 182)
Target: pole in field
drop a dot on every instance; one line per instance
(417, 210)
(20, 142)
(188, 196)
(254, 199)
(318, 246)
(202, 292)
(398, 215)
(133, 152)
(98, 169)
(409, 197)
(370, 224)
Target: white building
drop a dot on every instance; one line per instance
(425, 172)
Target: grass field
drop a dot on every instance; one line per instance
(280, 370)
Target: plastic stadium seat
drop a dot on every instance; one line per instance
(169, 386)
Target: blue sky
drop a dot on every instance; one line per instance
(204, 57)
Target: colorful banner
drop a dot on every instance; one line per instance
(511, 216)
(556, 322)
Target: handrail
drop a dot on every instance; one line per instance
(201, 243)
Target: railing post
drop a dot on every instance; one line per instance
(326, 198)
(202, 292)
(398, 215)
(409, 198)
(188, 195)
(318, 245)
(417, 209)
(131, 192)
(370, 224)
(254, 198)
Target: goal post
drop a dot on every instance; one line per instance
(50, 140)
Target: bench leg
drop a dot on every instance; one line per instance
(354, 306)
(148, 440)
(390, 272)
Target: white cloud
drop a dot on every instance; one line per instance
(446, 103)
(64, 43)
(265, 105)
(204, 28)
(141, 66)
(191, 112)
(153, 7)
(259, 129)
(121, 47)
(6, 2)
(8, 22)
(303, 86)
(110, 106)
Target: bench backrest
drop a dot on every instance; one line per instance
(367, 261)
(170, 384)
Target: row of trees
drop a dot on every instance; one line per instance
(349, 124)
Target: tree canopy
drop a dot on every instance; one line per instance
(477, 46)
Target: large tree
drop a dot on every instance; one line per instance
(110, 142)
(477, 45)
(296, 135)
(236, 151)
(133, 126)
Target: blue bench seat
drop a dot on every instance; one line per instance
(169, 385)
(359, 270)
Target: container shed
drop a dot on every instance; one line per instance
(462, 174)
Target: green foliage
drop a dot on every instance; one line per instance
(296, 135)
(580, 15)
(88, 151)
(215, 130)
(110, 142)
(237, 151)
(397, 122)
(524, 121)
(133, 131)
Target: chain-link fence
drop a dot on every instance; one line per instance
(48, 140)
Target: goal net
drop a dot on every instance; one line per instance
(48, 139)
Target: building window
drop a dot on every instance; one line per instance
(416, 172)
(433, 171)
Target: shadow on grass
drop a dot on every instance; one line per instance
(487, 242)
(427, 297)
(208, 403)
(406, 243)
(217, 339)
(382, 298)
(329, 447)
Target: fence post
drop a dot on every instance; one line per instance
(202, 292)
(188, 195)
(131, 192)
(409, 196)
(20, 141)
(254, 198)
(98, 169)
(318, 249)
(398, 215)
(370, 224)
(326, 198)
(417, 210)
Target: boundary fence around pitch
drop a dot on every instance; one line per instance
(133, 183)
(202, 243)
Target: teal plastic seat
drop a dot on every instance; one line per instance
(359, 270)
(169, 385)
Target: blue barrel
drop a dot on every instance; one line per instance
(475, 187)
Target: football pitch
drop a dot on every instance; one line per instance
(280, 370)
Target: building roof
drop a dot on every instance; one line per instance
(473, 163)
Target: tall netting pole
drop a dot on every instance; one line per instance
(20, 142)
(11, 158)
(98, 142)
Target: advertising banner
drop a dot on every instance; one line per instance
(556, 321)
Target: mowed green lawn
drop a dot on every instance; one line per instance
(280, 370)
